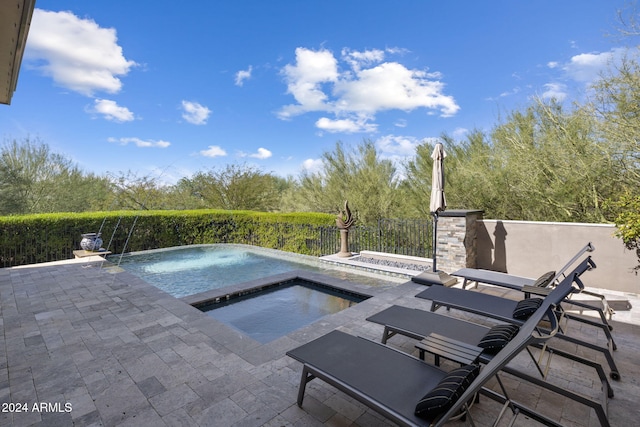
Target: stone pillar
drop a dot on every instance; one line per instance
(457, 235)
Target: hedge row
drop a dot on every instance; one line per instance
(49, 237)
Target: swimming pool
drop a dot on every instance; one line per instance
(188, 270)
(271, 313)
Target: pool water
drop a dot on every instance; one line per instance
(270, 314)
(187, 271)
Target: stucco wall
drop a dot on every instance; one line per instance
(529, 249)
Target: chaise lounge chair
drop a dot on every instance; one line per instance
(509, 281)
(503, 309)
(405, 389)
(440, 335)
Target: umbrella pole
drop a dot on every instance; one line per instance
(435, 240)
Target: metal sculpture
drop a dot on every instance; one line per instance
(344, 221)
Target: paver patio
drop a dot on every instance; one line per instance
(119, 352)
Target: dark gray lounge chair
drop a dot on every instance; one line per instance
(392, 382)
(495, 278)
(516, 282)
(510, 281)
(503, 309)
(419, 324)
(424, 325)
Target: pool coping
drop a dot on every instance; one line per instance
(228, 293)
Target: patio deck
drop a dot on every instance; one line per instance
(122, 352)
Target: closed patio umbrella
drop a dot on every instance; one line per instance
(438, 201)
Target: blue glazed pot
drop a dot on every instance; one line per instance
(91, 241)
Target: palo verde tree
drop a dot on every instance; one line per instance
(369, 182)
(541, 163)
(555, 167)
(236, 187)
(33, 179)
(616, 102)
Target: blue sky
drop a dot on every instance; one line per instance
(165, 89)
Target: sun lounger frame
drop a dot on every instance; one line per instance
(322, 357)
(510, 281)
(502, 308)
(418, 324)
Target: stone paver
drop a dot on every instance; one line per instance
(90, 347)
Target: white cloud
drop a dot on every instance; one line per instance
(402, 146)
(77, 53)
(557, 91)
(168, 175)
(345, 125)
(587, 67)
(584, 69)
(399, 149)
(112, 111)
(243, 75)
(391, 86)
(514, 91)
(365, 87)
(397, 50)
(213, 151)
(140, 142)
(312, 165)
(460, 133)
(195, 113)
(262, 153)
(305, 78)
(359, 59)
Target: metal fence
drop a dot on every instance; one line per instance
(397, 236)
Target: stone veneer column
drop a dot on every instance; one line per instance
(456, 245)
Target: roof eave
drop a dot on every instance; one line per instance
(15, 20)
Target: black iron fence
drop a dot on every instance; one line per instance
(397, 236)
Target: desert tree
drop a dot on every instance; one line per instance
(33, 179)
(235, 187)
(358, 174)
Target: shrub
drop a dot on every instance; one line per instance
(28, 239)
(628, 222)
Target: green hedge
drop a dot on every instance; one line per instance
(31, 239)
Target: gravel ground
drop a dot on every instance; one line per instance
(390, 263)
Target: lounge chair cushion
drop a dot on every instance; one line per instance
(447, 392)
(497, 337)
(526, 308)
(544, 280)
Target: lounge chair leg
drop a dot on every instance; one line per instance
(615, 374)
(387, 334)
(599, 370)
(502, 411)
(599, 408)
(605, 328)
(304, 379)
